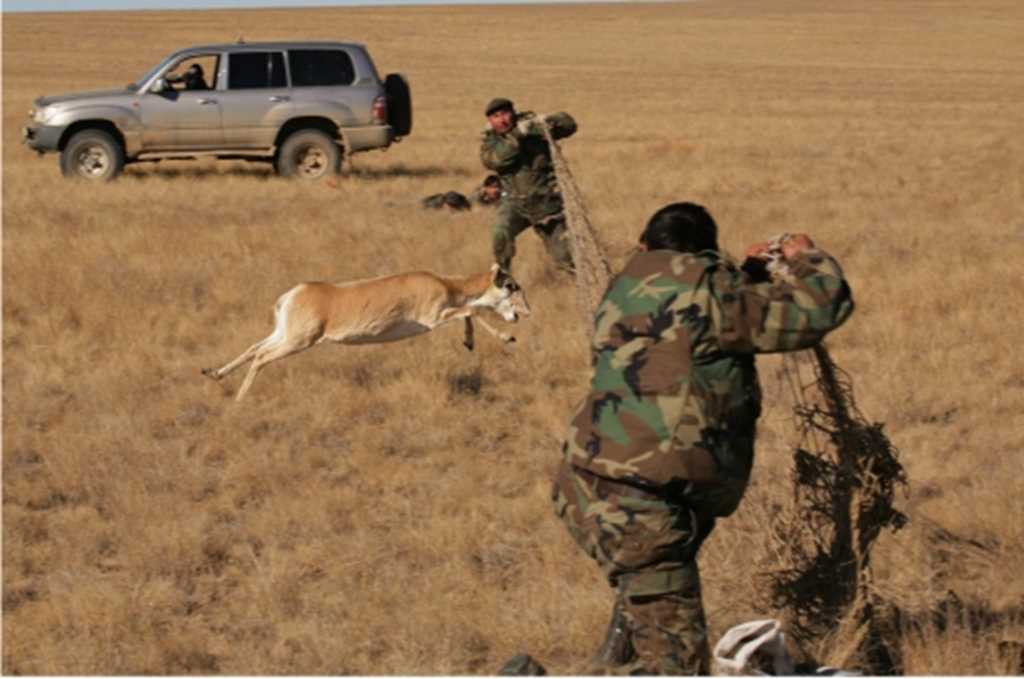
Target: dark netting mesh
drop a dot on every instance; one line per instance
(845, 473)
(593, 273)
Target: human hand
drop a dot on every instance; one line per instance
(795, 244)
(757, 251)
(790, 246)
(525, 123)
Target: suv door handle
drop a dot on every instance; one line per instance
(205, 101)
(279, 97)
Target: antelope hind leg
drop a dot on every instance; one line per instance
(270, 354)
(247, 355)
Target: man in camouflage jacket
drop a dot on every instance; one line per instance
(664, 442)
(488, 194)
(515, 148)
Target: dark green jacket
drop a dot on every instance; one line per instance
(674, 396)
(522, 159)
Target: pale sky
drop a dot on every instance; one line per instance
(74, 5)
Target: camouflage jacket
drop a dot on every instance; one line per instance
(521, 157)
(674, 397)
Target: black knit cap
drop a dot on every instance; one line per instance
(499, 104)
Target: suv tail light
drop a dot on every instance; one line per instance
(380, 110)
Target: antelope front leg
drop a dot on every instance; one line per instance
(503, 336)
(468, 341)
(455, 313)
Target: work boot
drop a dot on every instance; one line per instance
(522, 665)
(617, 649)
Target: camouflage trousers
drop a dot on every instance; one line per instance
(647, 546)
(513, 219)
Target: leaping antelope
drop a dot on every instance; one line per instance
(384, 309)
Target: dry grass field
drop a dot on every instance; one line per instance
(385, 509)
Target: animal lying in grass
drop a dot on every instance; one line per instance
(384, 309)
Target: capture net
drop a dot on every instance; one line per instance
(845, 472)
(593, 273)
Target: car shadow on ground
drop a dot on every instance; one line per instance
(144, 173)
(260, 171)
(403, 170)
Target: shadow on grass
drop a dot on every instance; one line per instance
(153, 172)
(998, 628)
(401, 170)
(264, 171)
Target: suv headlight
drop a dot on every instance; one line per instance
(41, 115)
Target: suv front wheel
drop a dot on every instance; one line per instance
(92, 154)
(308, 154)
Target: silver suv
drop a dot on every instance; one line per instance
(299, 105)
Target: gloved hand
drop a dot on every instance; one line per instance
(785, 245)
(770, 259)
(528, 121)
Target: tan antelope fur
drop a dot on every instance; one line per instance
(384, 309)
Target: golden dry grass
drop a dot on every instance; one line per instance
(384, 509)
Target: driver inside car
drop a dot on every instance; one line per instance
(192, 78)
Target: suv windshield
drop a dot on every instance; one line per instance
(149, 74)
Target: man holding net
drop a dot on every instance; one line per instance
(663, 444)
(515, 148)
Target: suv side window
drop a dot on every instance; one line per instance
(256, 70)
(320, 67)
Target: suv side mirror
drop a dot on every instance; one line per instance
(159, 86)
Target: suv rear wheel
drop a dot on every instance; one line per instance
(308, 154)
(93, 155)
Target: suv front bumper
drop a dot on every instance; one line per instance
(41, 138)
